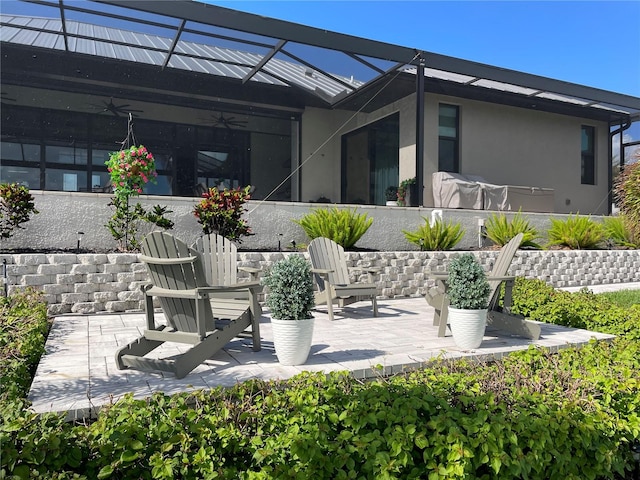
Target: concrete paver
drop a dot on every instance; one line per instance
(78, 374)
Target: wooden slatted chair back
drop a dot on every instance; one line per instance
(183, 273)
(328, 255)
(503, 262)
(219, 259)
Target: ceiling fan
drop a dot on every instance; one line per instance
(117, 110)
(227, 122)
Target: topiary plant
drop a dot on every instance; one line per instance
(467, 285)
(439, 236)
(290, 295)
(343, 226)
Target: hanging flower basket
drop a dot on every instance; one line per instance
(130, 170)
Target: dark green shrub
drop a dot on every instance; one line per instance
(536, 300)
(501, 230)
(467, 284)
(16, 208)
(290, 294)
(619, 232)
(23, 329)
(440, 236)
(343, 226)
(578, 232)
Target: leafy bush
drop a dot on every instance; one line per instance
(440, 236)
(23, 328)
(16, 208)
(619, 232)
(577, 232)
(539, 301)
(534, 415)
(467, 283)
(290, 295)
(500, 230)
(343, 226)
(220, 211)
(627, 193)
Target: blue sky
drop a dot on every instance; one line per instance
(594, 43)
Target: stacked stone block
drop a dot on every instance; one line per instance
(90, 283)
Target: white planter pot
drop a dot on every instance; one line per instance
(392, 203)
(292, 340)
(467, 326)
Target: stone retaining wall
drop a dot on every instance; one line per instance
(90, 283)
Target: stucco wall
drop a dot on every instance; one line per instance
(63, 214)
(506, 145)
(516, 146)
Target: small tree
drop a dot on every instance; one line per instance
(16, 208)
(220, 211)
(130, 169)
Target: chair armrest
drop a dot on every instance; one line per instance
(501, 279)
(167, 261)
(438, 275)
(249, 269)
(366, 269)
(322, 271)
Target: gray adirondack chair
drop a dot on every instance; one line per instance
(192, 316)
(220, 263)
(498, 316)
(329, 267)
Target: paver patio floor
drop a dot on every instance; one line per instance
(78, 373)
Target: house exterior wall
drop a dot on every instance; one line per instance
(506, 145)
(516, 146)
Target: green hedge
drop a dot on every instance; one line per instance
(534, 415)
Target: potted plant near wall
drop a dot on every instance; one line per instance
(468, 291)
(290, 301)
(408, 193)
(391, 196)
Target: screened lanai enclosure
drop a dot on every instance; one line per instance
(224, 98)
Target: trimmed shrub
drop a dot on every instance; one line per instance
(290, 294)
(440, 236)
(467, 283)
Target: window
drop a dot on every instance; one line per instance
(448, 139)
(588, 157)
